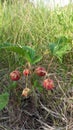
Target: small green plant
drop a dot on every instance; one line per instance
(60, 47)
(4, 98)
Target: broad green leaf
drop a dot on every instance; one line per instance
(31, 55)
(60, 47)
(14, 48)
(4, 100)
(63, 50)
(26, 51)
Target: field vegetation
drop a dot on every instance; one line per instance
(32, 37)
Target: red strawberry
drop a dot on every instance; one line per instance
(26, 72)
(40, 71)
(15, 75)
(48, 84)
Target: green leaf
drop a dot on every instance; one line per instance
(52, 47)
(14, 48)
(26, 51)
(36, 59)
(60, 47)
(4, 98)
(30, 53)
(62, 39)
(63, 50)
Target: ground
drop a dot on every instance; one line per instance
(54, 109)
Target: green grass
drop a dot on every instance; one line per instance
(26, 25)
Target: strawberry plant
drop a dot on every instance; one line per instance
(60, 47)
(31, 58)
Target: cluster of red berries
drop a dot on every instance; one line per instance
(48, 83)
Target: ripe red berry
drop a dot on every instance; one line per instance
(15, 75)
(26, 72)
(48, 84)
(40, 71)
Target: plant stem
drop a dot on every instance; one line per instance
(50, 63)
(34, 97)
